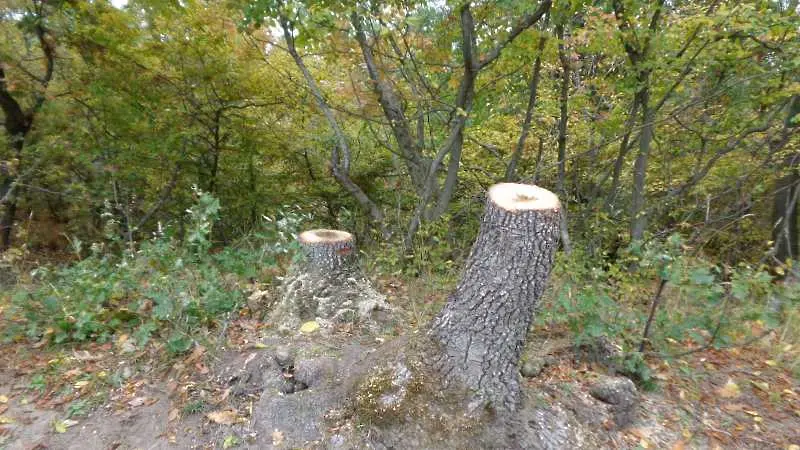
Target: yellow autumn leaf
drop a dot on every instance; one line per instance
(764, 386)
(730, 390)
(309, 327)
(59, 426)
(226, 417)
(3, 399)
(4, 420)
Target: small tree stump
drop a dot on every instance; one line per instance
(482, 328)
(326, 284)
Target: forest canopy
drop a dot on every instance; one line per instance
(647, 118)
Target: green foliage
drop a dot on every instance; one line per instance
(165, 290)
(701, 305)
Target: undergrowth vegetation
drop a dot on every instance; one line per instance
(164, 289)
(658, 301)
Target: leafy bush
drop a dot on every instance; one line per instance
(165, 289)
(701, 304)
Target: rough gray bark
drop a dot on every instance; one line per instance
(482, 328)
(327, 284)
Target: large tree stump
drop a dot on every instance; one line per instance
(482, 328)
(326, 284)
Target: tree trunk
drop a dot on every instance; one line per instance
(340, 156)
(624, 148)
(7, 219)
(393, 110)
(787, 191)
(564, 113)
(482, 328)
(638, 218)
(533, 89)
(327, 284)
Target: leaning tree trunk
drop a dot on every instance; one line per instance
(482, 328)
(326, 284)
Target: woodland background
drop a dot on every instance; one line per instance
(160, 156)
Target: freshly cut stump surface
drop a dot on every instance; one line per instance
(327, 284)
(481, 330)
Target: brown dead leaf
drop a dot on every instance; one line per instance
(679, 445)
(730, 390)
(226, 417)
(174, 414)
(734, 407)
(197, 353)
(72, 373)
(201, 368)
(3, 408)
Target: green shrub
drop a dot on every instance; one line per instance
(701, 305)
(164, 289)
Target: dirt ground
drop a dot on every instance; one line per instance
(106, 397)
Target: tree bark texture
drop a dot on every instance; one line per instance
(482, 328)
(326, 284)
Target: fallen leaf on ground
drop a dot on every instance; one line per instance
(6, 420)
(309, 327)
(138, 401)
(226, 417)
(730, 390)
(72, 373)
(59, 426)
(197, 353)
(277, 438)
(3, 399)
(679, 445)
(733, 407)
(84, 355)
